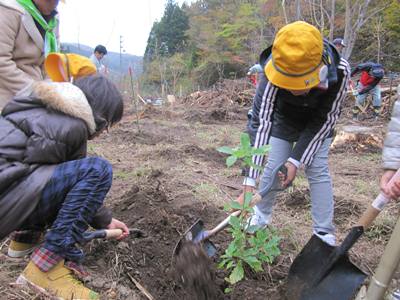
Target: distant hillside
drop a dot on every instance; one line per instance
(111, 60)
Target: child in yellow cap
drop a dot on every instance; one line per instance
(297, 104)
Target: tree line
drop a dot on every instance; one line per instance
(197, 44)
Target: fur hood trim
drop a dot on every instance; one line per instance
(66, 98)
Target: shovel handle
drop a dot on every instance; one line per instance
(225, 222)
(376, 207)
(113, 233)
(372, 211)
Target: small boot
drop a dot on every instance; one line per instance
(356, 111)
(18, 249)
(58, 283)
(23, 243)
(377, 111)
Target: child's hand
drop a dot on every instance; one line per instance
(116, 224)
(286, 179)
(246, 189)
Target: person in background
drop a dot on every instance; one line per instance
(297, 104)
(29, 30)
(48, 183)
(99, 52)
(253, 73)
(339, 44)
(371, 74)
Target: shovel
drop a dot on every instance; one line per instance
(325, 272)
(198, 234)
(110, 234)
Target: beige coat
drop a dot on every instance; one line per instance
(21, 51)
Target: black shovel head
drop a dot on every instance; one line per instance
(341, 282)
(191, 235)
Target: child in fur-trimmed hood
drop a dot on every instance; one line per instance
(47, 182)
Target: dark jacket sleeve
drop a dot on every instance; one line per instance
(102, 218)
(324, 120)
(361, 67)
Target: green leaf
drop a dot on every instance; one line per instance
(228, 290)
(231, 160)
(240, 153)
(234, 221)
(235, 205)
(254, 263)
(237, 273)
(247, 160)
(227, 207)
(260, 151)
(229, 265)
(225, 149)
(245, 140)
(222, 263)
(248, 196)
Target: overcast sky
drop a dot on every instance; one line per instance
(93, 22)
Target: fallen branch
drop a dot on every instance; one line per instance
(140, 287)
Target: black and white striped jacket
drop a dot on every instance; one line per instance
(307, 120)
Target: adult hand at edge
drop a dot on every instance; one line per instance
(393, 191)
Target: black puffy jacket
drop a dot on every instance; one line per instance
(37, 133)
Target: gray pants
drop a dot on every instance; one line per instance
(318, 177)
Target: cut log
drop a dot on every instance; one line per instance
(358, 139)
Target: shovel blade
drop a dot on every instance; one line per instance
(192, 234)
(341, 282)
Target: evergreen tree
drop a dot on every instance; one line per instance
(168, 36)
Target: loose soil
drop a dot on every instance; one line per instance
(168, 174)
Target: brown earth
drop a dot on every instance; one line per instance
(168, 174)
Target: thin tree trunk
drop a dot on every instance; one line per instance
(332, 20)
(298, 9)
(284, 12)
(352, 27)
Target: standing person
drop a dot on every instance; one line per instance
(97, 57)
(254, 72)
(295, 109)
(339, 44)
(371, 74)
(28, 34)
(47, 182)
